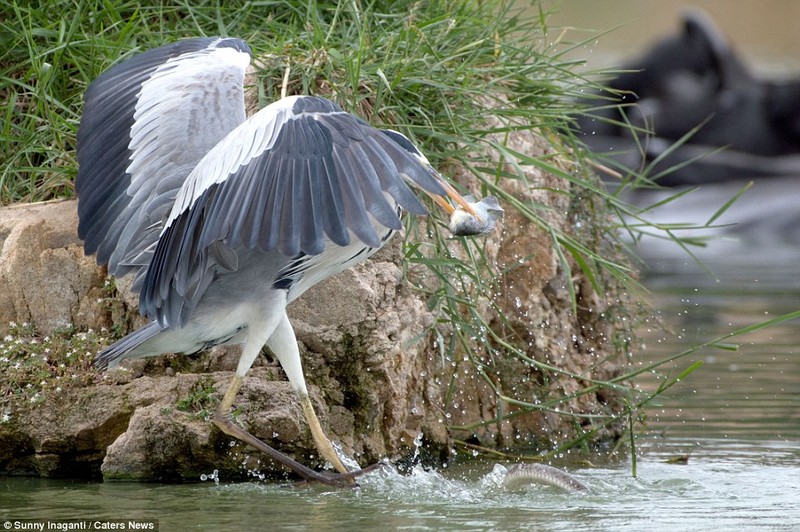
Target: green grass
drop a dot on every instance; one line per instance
(201, 400)
(437, 71)
(415, 66)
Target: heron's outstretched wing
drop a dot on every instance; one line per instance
(146, 123)
(296, 177)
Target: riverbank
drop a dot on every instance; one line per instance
(519, 340)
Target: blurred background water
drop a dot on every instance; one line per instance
(735, 420)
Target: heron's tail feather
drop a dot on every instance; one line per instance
(127, 347)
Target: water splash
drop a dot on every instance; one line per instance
(348, 461)
(418, 483)
(213, 476)
(417, 443)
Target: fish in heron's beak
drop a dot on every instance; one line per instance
(480, 219)
(468, 217)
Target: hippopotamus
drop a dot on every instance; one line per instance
(691, 99)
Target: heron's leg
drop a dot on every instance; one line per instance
(323, 443)
(223, 420)
(222, 417)
(284, 345)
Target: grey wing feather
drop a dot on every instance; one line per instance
(144, 127)
(317, 177)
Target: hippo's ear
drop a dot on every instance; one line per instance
(703, 34)
(699, 26)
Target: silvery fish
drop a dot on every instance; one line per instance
(463, 223)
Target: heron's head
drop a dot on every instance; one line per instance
(452, 193)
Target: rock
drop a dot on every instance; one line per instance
(533, 312)
(65, 436)
(353, 332)
(158, 445)
(44, 276)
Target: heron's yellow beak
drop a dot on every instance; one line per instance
(453, 194)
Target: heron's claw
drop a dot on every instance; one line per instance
(338, 480)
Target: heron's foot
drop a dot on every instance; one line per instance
(225, 422)
(340, 480)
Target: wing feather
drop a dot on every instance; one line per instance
(397, 188)
(144, 127)
(366, 179)
(299, 178)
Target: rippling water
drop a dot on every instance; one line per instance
(753, 392)
(750, 485)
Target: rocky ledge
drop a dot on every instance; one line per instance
(370, 346)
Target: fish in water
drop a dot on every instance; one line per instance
(524, 474)
(463, 223)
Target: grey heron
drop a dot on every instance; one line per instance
(223, 220)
